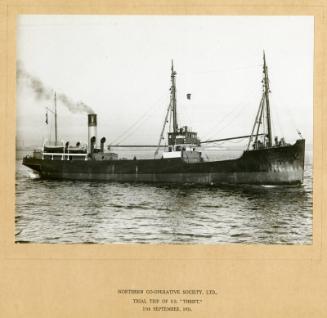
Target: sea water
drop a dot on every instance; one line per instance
(51, 211)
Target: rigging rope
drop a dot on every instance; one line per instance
(275, 113)
(286, 110)
(130, 130)
(123, 136)
(237, 115)
(223, 119)
(221, 70)
(235, 109)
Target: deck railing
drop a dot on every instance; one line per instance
(64, 156)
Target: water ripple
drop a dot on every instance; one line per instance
(100, 212)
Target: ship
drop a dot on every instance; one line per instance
(265, 160)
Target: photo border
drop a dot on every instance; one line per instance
(161, 264)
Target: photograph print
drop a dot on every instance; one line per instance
(164, 129)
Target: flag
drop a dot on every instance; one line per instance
(46, 117)
(188, 96)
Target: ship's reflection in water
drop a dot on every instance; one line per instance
(99, 212)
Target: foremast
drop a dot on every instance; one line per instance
(263, 118)
(173, 101)
(266, 94)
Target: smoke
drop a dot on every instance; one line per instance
(41, 91)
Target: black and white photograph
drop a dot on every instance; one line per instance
(154, 129)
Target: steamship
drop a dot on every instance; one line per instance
(265, 160)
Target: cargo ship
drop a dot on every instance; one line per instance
(266, 160)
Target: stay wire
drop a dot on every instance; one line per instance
(127, 132)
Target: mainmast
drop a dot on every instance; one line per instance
(266, 94)
(173, 98)
(171, 109)
(55, 117)
(180, 139)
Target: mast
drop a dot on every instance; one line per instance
(266, 94)
(256, 123)
(55, 116)
(171, 110)
(163, 129)
(173, 98)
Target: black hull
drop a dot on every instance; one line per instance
(276, 165)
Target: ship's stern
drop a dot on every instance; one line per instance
(32, 163)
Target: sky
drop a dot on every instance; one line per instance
(119, 66)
